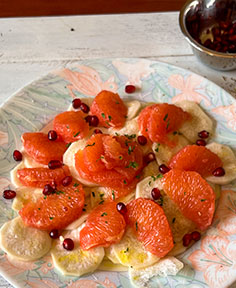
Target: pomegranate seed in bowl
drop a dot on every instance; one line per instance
(76, 103)
(52, 135)
(201, 142)
(54, 234)
(68, 244)
(149, 157)
(203, 134)
(155, 193)
(218, 172)
(9, 194)
(163, 169)
(121, 208)
(142, 140)
(97, 131)
(84, 107)
(66, 181)
(196, 236)
(48, 189)
(130, 89)
(187, 239)
(54, 164)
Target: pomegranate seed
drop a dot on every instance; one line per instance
(17, 155)
(164, 169)
(54, 234)
(66, 181)
(203, 134)
(130, 89)
(76, 103)
(97, 131)
(48, 189)
(121, 208)
(155, 193)
(149, 157)
(142, 140)
(84, 107)
(68, 244)
(196, 235)
(201, 142)
(92, 120)
(218, 172)
(187, 239)
(52, 135)
(54, 164)
(9, 194)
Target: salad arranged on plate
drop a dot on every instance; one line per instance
(116, 185)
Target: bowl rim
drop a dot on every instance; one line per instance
(191, 40)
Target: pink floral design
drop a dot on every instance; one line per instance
(229, 113)
(91, 284)
(47, 265)
(226, 212)
(39, 283)
(134, 71)
(188, 88)
(13, 266)
(217, 259)
(3, 138)
(87, 81)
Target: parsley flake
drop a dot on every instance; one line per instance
(90, 145)
(173, 220)
(136, 226)
(127, 250)
(113, 195)
(76, 185)
(93, 194)
(68, 145)
(51, 218)
(125, 182)
(103, 115)
(202, 200)
(104, 214)
(76, 134)
(166, 116)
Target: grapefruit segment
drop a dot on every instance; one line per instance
(39, 177)
(71, 126)
(57, 210)
(193, 195)
(41, 149)
(157, 120)
(196, 158)
(104, 226)
(149, 223)
(110, 109)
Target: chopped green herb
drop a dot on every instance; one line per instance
(166, 116)
(117, 134)
(102, 157)
(104, 214)
(136, 225)
(90, 145)
(103, 115)
(67, 126)
(146, 130)
(138, 176)
(51, 218)
(202, 200)
(93, 194)
(168, 123)
(120, 157)
(157, 148)
(173, 220)
(149, 183)
(68, 145)
(69, 197)
(76, 134)
(58, 192)
(125, 182)
(45, 197)
(39, 208)
(127, 250)
(109, 117)
(101, 202)
(130, 149)
(117, 102)
(113, 194)
(76, 185)
(106, 222)
(132, 165)
(132, 136)
(101, 195)
(126, 117)
(184, 193)
(175, 132)
(84, 209)
(159, 176)
(160, 201)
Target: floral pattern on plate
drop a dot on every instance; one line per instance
(211, 262)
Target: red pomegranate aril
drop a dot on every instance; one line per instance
(84, 107)
(92, 120)
(97, 131)
(76, 103)
(52, 135)
(149, 157)
(68, 244)
(142, 140)
(201, 142)
(48, 189)
(121, 208)
(219, 172)
(17, 155)
(164, 169)
(66, 181)
(196, 236)
(130, 89)
(203, 134)
(187, 240)
(54, 234)
(155, 193)
(54, 164)
(9, 194)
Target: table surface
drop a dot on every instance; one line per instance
(32, 47)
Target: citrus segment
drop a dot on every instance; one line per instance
(55, 211)
(71, 126)
(157, 120)
(41, 149)
(110, 109)
(39, 177)
(193, 195)
(150, 225)
(196, 158)
(104, 226)
(112, 161)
